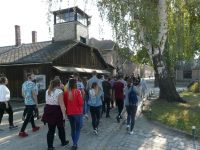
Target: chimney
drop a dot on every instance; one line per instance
(34, 36)
(17, 35)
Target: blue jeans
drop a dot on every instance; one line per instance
(76, 124)
(86, 108)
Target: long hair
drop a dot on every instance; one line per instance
(53, 84)
(95, 86)
(71, 85)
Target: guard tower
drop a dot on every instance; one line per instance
(71, 24)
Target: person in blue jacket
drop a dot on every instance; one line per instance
(95, 103)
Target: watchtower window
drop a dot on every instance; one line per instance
(82, 19)
(65, 17)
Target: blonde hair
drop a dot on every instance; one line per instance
(53, 83)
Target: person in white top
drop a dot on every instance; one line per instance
(54, 113)
(4, 102)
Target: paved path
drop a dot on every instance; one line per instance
(112, 136)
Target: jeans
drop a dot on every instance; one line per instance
(8, 110)
(76, 124)
(29, 117)
(85, 107)
(120, 105)
(51, 132)
(131, 112)
(95, 114)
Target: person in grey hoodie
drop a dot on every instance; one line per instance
(131, 109)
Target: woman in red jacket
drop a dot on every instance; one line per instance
(74, 110)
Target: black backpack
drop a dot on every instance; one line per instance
(132, 97)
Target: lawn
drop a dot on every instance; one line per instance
(178, 115)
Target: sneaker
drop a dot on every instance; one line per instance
(23, 134)
(107, 116)
(74, 147)
(118, 119)
(131, 133)
(13, 127)
(86, 116)
(65, 143)
(95, 132)
(52, 148)
(23, 118)
(35, 129)
(39, 117)
(127, 127)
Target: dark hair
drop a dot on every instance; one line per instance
(129, 81)
(53, 83)
(94, 73)
(3, 80)
(94, 85)
(72, 84)
(28, 75)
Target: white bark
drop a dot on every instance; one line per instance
(162, 12)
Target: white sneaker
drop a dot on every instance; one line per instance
(86, 116)
(131, 132)
(127, 127)
(95, 132)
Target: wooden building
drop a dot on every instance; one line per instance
(59, 57)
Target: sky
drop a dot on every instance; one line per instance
(31, 15)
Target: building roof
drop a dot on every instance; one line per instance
(40, 52)
(103, 45)
(72, 9)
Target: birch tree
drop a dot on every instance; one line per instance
(146, 24)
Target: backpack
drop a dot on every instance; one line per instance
(132, 97)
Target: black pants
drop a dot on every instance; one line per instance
(29, 117)
(8, 110)
(131, 112)
(95, 114)
(36, 112)
(51, 132)
(106, 106)
(120, 105)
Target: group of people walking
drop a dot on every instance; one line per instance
(73, 102)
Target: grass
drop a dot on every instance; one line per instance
(178, 115)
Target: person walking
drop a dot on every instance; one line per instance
(74, 109)
(143, 88)
(92, 80)
(5, 103)
(54, 113)
(29, 94)
(131, 103)
(107, 90)
(118, 88)
(95, 103)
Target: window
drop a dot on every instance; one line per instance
(66, 17)
(82, 39)
(81, 19)
(187, 74)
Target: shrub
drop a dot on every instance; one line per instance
(194, 87)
